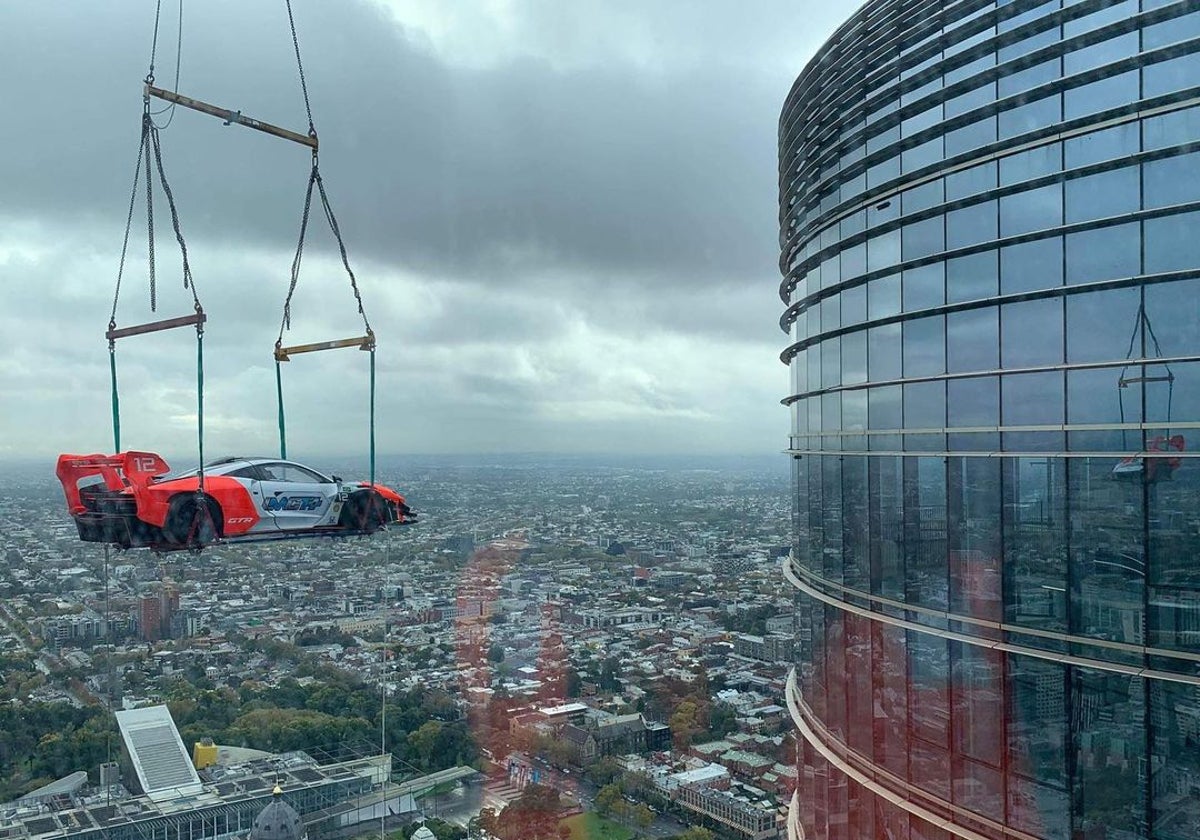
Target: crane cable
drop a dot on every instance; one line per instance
(150, 146)
(314, 178)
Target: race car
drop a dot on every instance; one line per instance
(132, 499)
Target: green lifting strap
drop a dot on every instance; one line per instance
(279, 402)
(372, 415)
(200, 402)
(116, 400)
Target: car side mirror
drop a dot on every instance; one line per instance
(337, 479)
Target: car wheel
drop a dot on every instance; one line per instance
(192, 523)
(365, 511)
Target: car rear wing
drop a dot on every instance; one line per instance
(119, 471)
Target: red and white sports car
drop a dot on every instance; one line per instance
(132, 499)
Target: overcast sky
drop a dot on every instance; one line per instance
(561, 215)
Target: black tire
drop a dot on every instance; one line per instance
(191, 523)
(365, 511)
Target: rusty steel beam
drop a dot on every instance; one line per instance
(231, 116)
(366, 342)
(157, 326)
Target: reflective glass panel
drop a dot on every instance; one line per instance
(972, 277)
(1110, 193)
(1035, 209)
(924, 287)
(972, 340)
(1101, 324)
(1031, 333)
(1029, 266)
(925, 346)
(1106, 253)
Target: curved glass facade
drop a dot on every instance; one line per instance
(990, 237)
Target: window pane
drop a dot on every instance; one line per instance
(973, 402)
(921, 156)
(925, 405)
(831, 362)
(1099, 325)
(1173, 310)
(1172, 243)
(1032, 399)
(1104, 194)
(972, 338)
(854, 357)
(924, 287)
(1174, 129)
(883, 352)
(1025, 166)
(971, 136)
(971, 181)
(1107, 144)
(1099, 54)
(1172, 180)
(925, 347)
(1029, 266)
(1166, 76)
(853, 261)
(920, 239)
(1032, 116)
(1104, 254)
(854, 305)
(1031, 210)
(883, 408)
(883, 251)
(973, 277)
(1171, 31)
(923, 197)
(1032, 333)
(883, 297)
(971, 225)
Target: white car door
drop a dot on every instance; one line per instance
(295, 496)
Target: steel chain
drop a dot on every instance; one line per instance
(287, 304)
(188, 283)
(337, 234)
(312, 131)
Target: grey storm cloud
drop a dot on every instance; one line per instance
(562, 215)
(479, 172)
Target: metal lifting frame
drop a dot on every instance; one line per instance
(284, 354)
(230, 117)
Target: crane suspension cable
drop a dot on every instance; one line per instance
(312, 131)
(178, 58)
(314, 177)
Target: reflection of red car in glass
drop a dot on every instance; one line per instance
(1150, 468)
(132, 499)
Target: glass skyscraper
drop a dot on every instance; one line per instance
(990, 236)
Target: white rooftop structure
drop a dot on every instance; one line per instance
(159, 758)
(564, 709)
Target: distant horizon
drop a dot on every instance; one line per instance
(623, 459)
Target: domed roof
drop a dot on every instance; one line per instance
(278, 821)
(423, 833)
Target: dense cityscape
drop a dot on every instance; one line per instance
(611, 633)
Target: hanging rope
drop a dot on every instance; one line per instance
(150, 146)
(314, 178)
